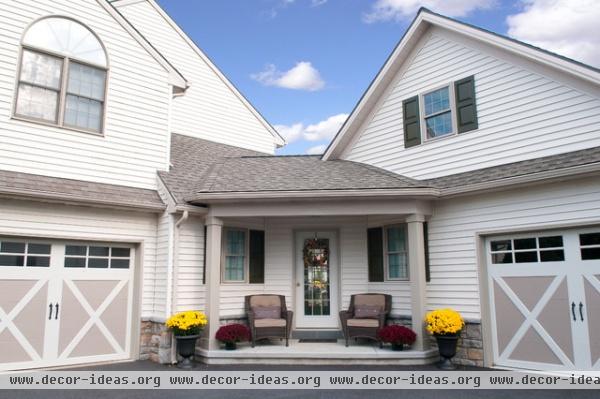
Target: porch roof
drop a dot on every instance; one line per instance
(203, 171)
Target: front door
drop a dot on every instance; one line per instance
(316, 280)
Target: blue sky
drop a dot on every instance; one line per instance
(305, 63)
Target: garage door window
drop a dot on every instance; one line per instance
(96, 257)
(528, 250)
(24, 254)
(590, 246)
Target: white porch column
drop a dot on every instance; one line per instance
(416, 264)
(214, 227)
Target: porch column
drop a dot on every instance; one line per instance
(214, 227)
(416, 264)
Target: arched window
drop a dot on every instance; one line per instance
(62, 79)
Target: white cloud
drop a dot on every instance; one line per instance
(317, 150)
(386, 10)
(567, 27)
(303, 76)
(317, 3)
(323, 130)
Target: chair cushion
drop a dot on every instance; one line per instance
(264, 300)
(367, 312)
(371, 300)
(363, 323)
(267, 312)
(269, 323)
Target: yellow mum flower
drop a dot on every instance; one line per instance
(189, 322)
(444, 321)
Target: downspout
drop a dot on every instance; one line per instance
(173, 273)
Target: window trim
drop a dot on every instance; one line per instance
(386, 269)
(62, 92)
(423, 124)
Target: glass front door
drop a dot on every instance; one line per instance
(316, 304)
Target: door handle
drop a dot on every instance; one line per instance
(50, 313)
(56, 313)
(573, 311)
(581, 310)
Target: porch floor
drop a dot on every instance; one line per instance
(275, 352)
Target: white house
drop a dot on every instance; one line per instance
(136, 181)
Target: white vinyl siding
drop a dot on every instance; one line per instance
(522, 113)
(135, 138)
(33, 219)
(190, 293)
(209, 109)
(452, 229)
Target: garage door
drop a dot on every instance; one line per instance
(64, 303)
(545, 299)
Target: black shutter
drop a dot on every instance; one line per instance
(257, 257)
(466, 110)
(204, 266)
(426, 242)
(375, 254)
(412, 122)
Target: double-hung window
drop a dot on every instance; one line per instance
(396, 252)
(62, 78)
(235, 255)
(437, 113)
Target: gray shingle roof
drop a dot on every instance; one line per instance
(298, 173)
(204, 167)
(54, 188)
(515, 169)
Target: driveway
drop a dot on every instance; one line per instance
(285, 394)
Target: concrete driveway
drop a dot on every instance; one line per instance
(286, 394)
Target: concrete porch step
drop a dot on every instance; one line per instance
(317, 334)
(275, 352)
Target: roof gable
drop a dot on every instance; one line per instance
(400, 56)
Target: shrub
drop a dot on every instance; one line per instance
(233, 333)
(396, 334)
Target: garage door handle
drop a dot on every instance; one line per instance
(581, 310)
(56, 313)
(50, 313)
(573, 311)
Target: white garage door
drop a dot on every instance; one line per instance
(64, 303)
(545, 299)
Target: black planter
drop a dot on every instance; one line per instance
(230, 346)
(186, 347)
(397, 347)
(447, 347)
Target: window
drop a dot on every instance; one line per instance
(445, 111)
(590, 246)
(97, 257)
(527, 250)
(396, 252)
(243, 256)
(62, 78)
(24, 254)
(437, 113)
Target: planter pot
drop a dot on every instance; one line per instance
(186, 347)
(230, 346)
(447, 347)
(397, 347)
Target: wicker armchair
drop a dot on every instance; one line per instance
(354, 327)
(262, 327)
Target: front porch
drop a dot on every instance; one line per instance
(312, 353)
(287, 226)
